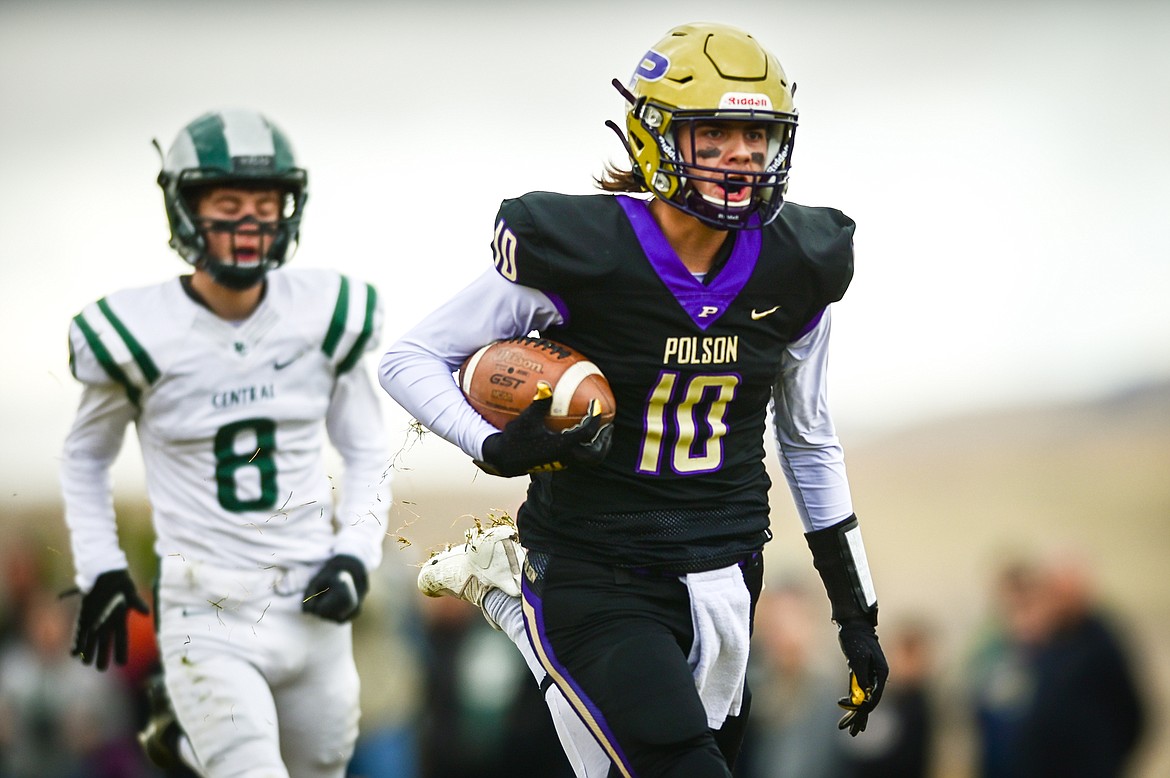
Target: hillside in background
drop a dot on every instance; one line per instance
(941, 505)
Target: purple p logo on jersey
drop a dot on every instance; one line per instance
(652, 67)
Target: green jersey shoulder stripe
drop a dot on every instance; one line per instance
(359, 345)
(104, 359)
(337, 325)
(145, 363)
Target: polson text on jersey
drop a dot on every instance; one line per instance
(693, 350)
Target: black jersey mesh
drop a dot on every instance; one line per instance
(676, 541)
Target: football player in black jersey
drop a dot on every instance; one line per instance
(704, 299)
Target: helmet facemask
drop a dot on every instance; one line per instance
(239, 267)
(752, 197)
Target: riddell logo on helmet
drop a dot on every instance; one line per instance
(255, 162)
(742, 100)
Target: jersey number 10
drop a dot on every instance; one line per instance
(698, 445)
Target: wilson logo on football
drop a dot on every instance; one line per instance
(500, 379)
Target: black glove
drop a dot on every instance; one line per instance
(526, 445)
(101, 624)
(868, 671)
(337, 590)
(839, 557)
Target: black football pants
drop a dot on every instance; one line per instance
(616, 642)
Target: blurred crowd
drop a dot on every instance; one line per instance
(1049, 686)
(1054, 687)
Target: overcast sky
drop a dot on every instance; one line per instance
(1008, 164)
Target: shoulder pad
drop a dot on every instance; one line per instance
(539, 238)
(824, 237)
(103, 350)
(511, 240)
(355, 325)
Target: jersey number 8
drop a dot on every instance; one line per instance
(229, 463)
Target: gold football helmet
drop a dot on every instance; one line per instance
(702, 73)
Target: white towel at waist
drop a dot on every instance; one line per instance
(720, 609)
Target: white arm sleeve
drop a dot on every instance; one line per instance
(417, 370)
(810, 453)
(91, 447)
(354, 424)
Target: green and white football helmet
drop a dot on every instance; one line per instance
(710, 72)
(239, 148)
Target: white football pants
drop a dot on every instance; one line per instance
(261, 689)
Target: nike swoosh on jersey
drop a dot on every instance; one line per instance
(761, 314)
(282, 365)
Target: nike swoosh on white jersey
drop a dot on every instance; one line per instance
(287, 362)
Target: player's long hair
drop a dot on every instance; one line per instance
(616, 179)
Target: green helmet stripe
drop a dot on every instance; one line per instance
(145, 363)
(337, 326)
(207, 133)
(359, 345)
(104, 359)
(282, 150)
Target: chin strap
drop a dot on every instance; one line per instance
(629, 98)
(636, 103)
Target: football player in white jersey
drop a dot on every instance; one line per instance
(233, 377)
